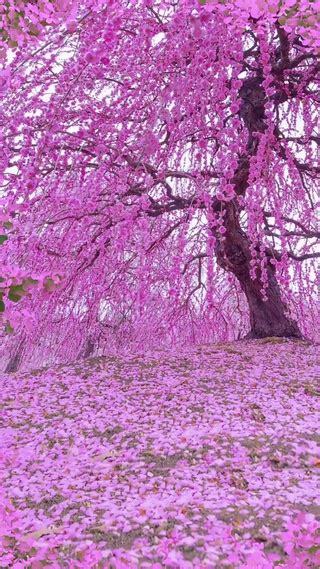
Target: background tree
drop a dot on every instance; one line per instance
(24, 22)
(167, 166)
(298, 16)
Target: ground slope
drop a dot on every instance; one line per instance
(194, 459)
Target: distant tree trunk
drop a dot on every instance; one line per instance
(15, 360)
(87, 350)
(267, 318)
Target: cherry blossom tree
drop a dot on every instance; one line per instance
(163, 156)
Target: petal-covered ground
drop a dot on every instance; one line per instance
(207, 457)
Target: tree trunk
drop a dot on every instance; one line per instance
(87, 350)
(15, 360)
(267, 318)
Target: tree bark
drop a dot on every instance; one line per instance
(267, 318)
(87, 350)
(15, 360)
